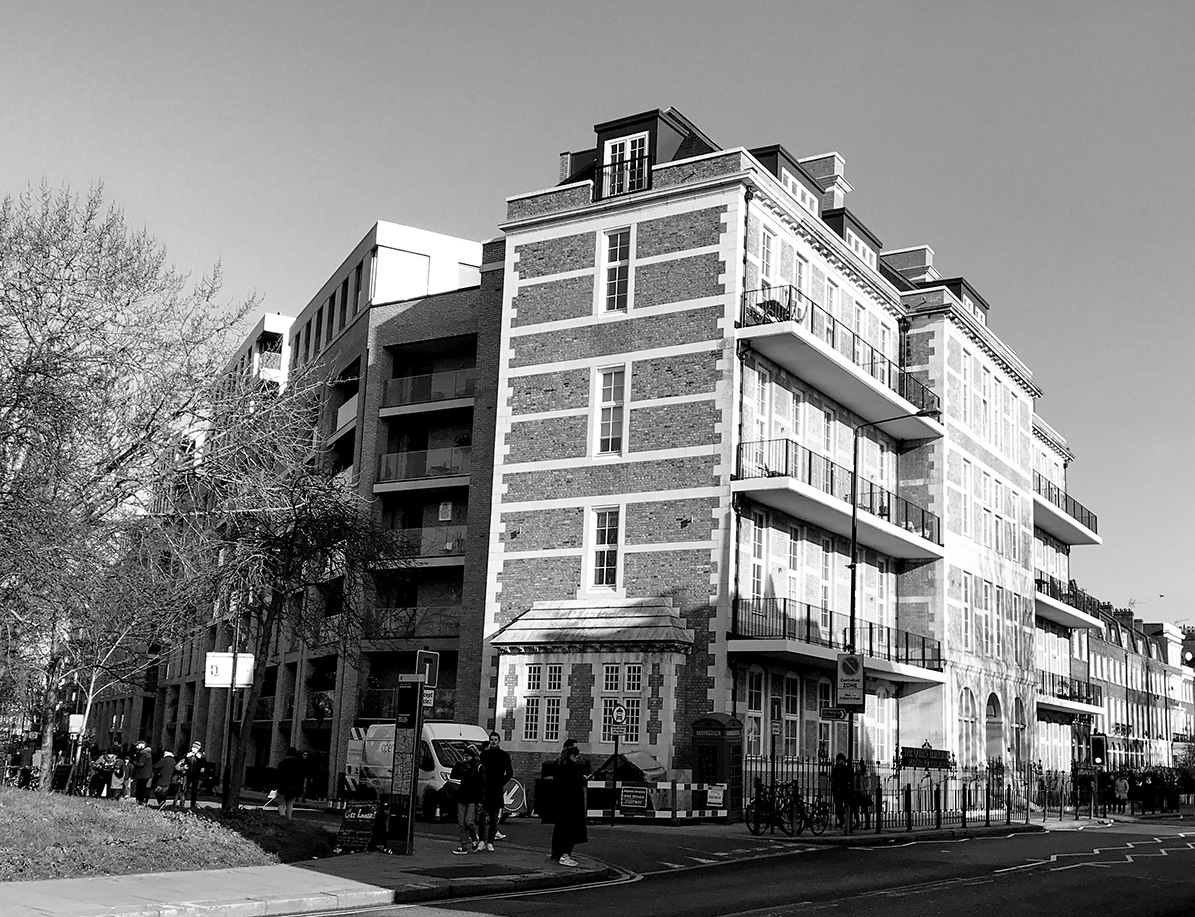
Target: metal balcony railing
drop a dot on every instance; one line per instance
(784, 458)
(1068, 505)
(1073, 689)
(791, 620)
(428, 463)
(1067, 594)
(623, 177)
(441, 541)
(428, 387)
(788, 304)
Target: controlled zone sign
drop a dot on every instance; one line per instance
(850, 680)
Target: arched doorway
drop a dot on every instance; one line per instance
(994, 729)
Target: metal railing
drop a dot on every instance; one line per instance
(437, 386)
(1073, 689)
(784, 458)
(788, 304)
(441, 541)
(792, 620)
(1067, 594)
(1067, 504)
(428, 463)
(623, 177)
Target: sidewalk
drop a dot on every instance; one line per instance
(351, 880)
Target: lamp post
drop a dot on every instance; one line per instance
(854, 564)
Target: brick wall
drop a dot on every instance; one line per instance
(672, 425)
(679, 232)
(554, 300)
(663, 377)
(532, 579)
(548, 438)
(550, 201)
(656, 522)
(678, 280)
(613, 478)
(580, 701)
(549, 391)
(554, 256)
(542, 529)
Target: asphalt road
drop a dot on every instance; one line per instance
(1135, 870)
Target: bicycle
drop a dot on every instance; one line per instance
(815, 817)
(771, 808)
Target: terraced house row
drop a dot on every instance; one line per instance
(637, 436)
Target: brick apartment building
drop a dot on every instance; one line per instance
(624, 435)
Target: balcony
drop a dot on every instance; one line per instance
(788, 477)
(412, 622)
(624, 176)
(264, 711)
(1069, 695)
(787, 327)
(376, 703)
(321, 707)
(445, 542)
(424, 468)
(1065, 604)
(346, 415)
(430, 391)
(1062, 516)
(782, 627)
(270, 359)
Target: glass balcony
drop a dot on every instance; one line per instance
(1053, 685)
(377, 704)
(429, 463)
(346, 413)
(1062, 516)
(890, 519)
(788, 327)
(441, 386)
(440, 541)
(790, 620)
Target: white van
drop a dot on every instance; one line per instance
(370, 761)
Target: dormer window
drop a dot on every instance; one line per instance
(798, 191)
(625, 166)
(861, 248)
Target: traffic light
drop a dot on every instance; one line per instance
(1099, 750)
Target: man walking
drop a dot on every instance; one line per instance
(497, 769)
(194, 763)
(840, 787)
(472, 788)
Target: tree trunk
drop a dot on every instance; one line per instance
(261, 648)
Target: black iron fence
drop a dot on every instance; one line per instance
(1067, 594)
(623, 176)
(792, 620)
(1067, 504)
(783, 458)
(788, 304)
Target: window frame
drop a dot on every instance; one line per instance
(596, 548)
(622, 265)
(618, 407)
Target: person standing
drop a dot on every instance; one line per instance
(195, 763)
(143, 772)
(165, 779)
(291, 775)
(570, 785)
(497, 769)
(840, 787)
(468, 795)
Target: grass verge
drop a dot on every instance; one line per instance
(63, 837)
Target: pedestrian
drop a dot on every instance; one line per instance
(102, 770)
(195, 762)
(497, 769)
(468, 797)
(1121, 790)
(143, 772)
(864, 795)
(840, 787)
(166, 779)
(570, 784)
(290, 775)
(119, 772)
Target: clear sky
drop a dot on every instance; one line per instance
(1043, 150)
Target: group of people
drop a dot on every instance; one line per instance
(171, 781)
(483, 776)
(856, 787)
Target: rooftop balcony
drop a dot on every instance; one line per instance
(424, 468)
(625, 176)
(429, 392)
(790, 329)
(788, 477)
(785, 628)
(1069, 695)
(1062, 516)
(1071, 607)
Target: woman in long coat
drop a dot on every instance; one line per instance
(570, 783)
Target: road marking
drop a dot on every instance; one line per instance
(702, 860)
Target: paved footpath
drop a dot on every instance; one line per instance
(364, 879)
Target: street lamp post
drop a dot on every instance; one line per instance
(854, 564)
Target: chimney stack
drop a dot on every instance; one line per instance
(915, 264)
(828, 170)
(566, 165)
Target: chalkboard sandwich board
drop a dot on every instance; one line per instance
(361, 828)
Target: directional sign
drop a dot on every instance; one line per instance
(832, 713)
(850, 680)
(427, 662)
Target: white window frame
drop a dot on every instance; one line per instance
(543, 693)
(753, 733)
(759, 554)
(768, 264)
(623, 149)
(597, 550)
(616, 270)
(616, 407)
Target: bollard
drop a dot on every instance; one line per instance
(987, 806)
(964, 805)
(1008, 805)
(937, 805)
(879, 804)
(908, 807)
(758, 802)
(674, 818)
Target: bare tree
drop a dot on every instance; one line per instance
(105, 354)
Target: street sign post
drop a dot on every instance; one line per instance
(832, 713)
(408, 717)
(850, 680)
(618, 725)
(427, 662)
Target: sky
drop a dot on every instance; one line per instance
(1043, 150)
